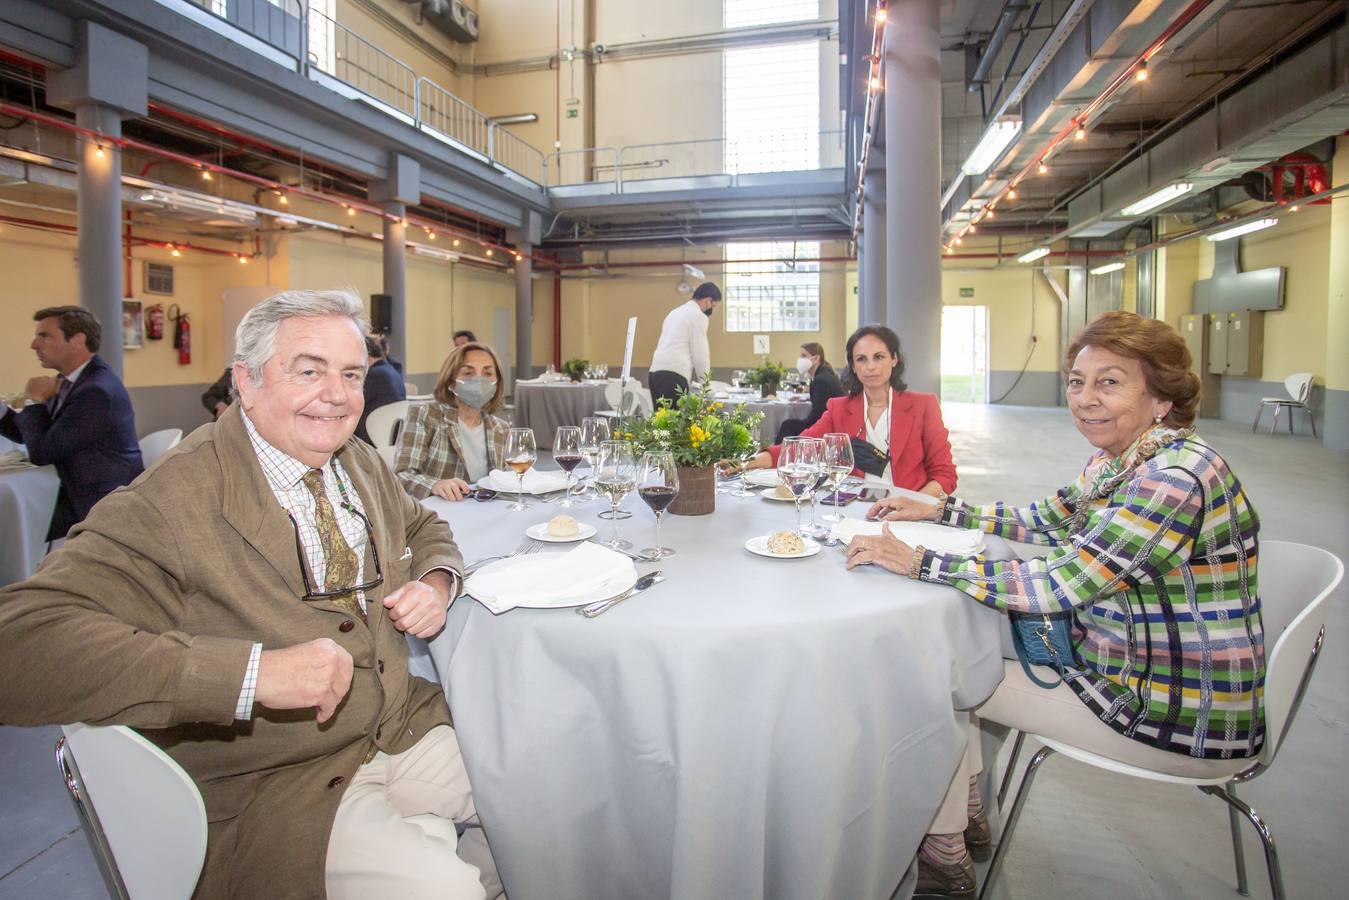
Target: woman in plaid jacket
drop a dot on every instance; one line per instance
(1153, 550)
(456, 440)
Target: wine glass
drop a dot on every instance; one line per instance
(798, 467)
(615, 477)
(567, 454)
(520, 456)
(594, 431)
(738, 378)
(658, 485)
(838, 460)
(755, 441)
(821, 476)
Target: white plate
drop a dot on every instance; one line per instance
(539, 532)
(771, 494)
(759, 545)
(611, 588)
(761, 477)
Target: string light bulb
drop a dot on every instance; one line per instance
(456, 242)
(875, 83)
(1011, 193)
(351, 210)
(1080, 134)
(957, 240)
(1293, 208)
(489, 251)
(174, 251)
(1043, 169)
(1141, 73)
(99, 152)
(243, 260)
(205, 174)
(881, 16)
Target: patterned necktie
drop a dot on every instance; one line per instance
(342, 564)
(62, 392)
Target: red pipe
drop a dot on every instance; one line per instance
(701, 262)
(557, 321)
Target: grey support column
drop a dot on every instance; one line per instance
(401, 186)
(871, 264)
(525, 238)
(913, 186)
(107, 83)
(524, 310)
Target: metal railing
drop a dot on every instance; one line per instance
(594, 164)
(445, 113)
(279, 23)
(516, 154)
(370, 70)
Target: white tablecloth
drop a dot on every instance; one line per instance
(774, 412)
(27, 500)
(751, 728)
(546, 407)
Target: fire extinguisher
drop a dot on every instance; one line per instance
(182, 335)
(154, 322)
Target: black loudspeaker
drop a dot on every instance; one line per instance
(381, 313)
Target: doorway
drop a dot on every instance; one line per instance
(964, 354)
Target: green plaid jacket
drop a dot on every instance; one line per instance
(429, 451)
(1169, 646)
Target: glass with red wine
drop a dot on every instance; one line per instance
(658, 485)
(567, 454)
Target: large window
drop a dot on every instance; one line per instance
(771, 98)
(767, 289)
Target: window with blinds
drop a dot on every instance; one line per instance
(769, 289)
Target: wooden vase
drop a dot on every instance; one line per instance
(697, 491)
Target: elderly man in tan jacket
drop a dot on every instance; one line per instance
(244, 604)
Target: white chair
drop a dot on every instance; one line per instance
(383, 422)
(157, 443)
(1295, 582)
(1299, 388)
(719, 387)
(626, 400)
(409, 388)
(142, 813)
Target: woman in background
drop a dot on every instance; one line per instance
(824, 386)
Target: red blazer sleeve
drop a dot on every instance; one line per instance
(941, 468)
(825, 424)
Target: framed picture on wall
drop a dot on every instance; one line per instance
(133, 329)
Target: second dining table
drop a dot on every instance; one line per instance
(547, 406)
(750, 727)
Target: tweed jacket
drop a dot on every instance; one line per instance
(146, 617)
(429, 451)
(1168, 640)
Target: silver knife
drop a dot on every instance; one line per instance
(594, 609)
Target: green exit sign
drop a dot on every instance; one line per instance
(571, 114)
(967, 292)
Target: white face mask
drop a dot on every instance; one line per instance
(803, 365)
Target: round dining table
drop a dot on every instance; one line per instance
(547, 406)
(750, 727)
(27, 501)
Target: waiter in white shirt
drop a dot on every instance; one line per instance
(682, 352)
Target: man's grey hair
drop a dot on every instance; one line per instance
(255, 338)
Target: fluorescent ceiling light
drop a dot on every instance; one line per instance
(1107, 268)
(1243, 228)
(200, 204)
(1033, 255)
(997, 137)
(434, 252)
(693, 271)
(1158, 198)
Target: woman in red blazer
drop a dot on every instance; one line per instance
(878, 408)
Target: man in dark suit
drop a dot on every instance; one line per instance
(81, 420)
(383, 385)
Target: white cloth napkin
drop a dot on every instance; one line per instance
(762, 477)
(553, 580)
(536, 482)
(942, 538)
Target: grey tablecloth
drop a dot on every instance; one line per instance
(751, 728)
(27, 499)
(546, 407)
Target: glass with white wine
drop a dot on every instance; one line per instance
(520, 456)
(838, 462)
(798, 468)
(615, 478)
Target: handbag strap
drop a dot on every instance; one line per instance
(1042, 632)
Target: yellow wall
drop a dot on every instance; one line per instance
(1019, 304)
(397, 45)
(1337, 306)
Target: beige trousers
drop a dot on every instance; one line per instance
(395, 836)
(1058, 714)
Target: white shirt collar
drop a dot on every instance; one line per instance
(77, 372)
(282, 470)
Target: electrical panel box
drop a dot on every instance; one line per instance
(1195, 330)
(1236, 343)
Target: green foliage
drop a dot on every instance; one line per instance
(696, 429)
(768, 376)
(575, 369)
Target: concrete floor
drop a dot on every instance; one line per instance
(1084, 833)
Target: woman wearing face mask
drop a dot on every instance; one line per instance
(898, 434)
(457, 440)
(824, 386)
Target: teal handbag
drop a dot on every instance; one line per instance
(1044, 639)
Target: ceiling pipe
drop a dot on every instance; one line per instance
(513, 119)
(1011, 10)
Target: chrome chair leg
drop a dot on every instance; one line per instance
(1238, 852)
(1312, 419)
(1266, 838)
(1259, 411)
(1022, 793)
(1011, 767)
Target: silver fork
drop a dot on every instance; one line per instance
(527, 546)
